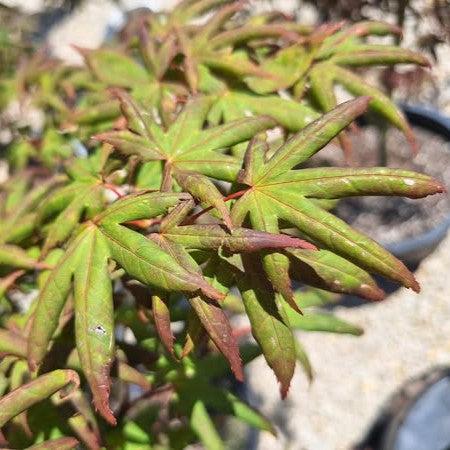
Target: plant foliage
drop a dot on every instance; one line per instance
(156, 195)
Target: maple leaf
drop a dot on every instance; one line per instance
(185, 145)
(277, 193)
(66, 206)
(327, 62)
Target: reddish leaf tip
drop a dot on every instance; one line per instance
(372, 293)
(238, 373)
(415, 286)
(101, 403)
(72, 378)
(284, 389)
(301, 243)
(363, 101)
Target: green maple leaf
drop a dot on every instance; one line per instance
(86, 260)
(211, 46)
(280, 193)
(277, 193)
(83, 195)
(157, 260)
(326, 64)
(18, 202)
(185, 145)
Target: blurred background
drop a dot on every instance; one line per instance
(393, 380)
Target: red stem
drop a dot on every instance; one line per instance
(193, 218)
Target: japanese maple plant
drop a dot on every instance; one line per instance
(122, 263)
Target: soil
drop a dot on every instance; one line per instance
(393, 219)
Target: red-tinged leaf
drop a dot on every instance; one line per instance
(234, 64)
(176, 215)
(338, 274)
(63, 443)
(161, 316)
(254, 159)
(237, 241)
(379, 103)
(219, 330)
(190, 64)
(333, 182)
(92, 114)
(247, 33)
(130, 375)
(219, 19)
(144, 260)
(276, 265)
(366, 55)
(13, 256)
(287, 66)
(138, 119)
(311, 139)
(203, 188)
(12, 344)
(114, 68)
(188, 9)
(9, 280)
(35, 391)
(50, 304)
(210, 315)
(360, 29)
(159, 59)
(324, 31)
(129, 144)
(322, 227)
(268, 327)
(94, 318)
(141, 205)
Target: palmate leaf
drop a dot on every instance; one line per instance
(157, 261)
(185, 145)
(82, 195)
(211, 46)
(326, 63)
(86, 261)
(231, 105)
(276, 193)
(115, 69)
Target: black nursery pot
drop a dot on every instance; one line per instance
(414, 249)
(416, 417)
